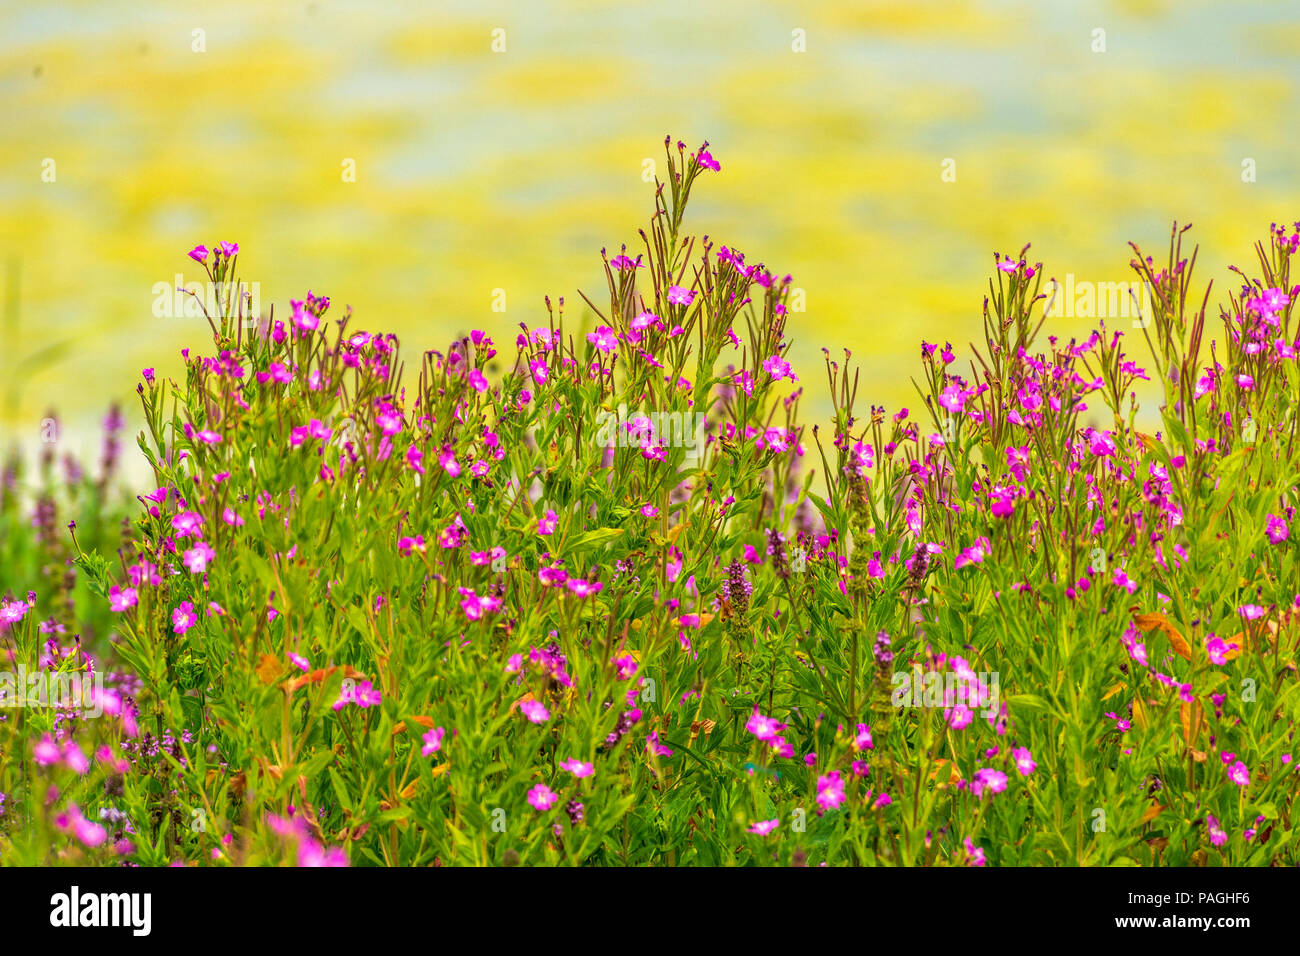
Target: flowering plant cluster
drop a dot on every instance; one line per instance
(375, 611)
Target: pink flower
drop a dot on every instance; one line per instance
(186, 524)
(535, 711)
(46, 752)
(415, 459)
(447, 459)
(1239, 774)
(363, 695)
(706, 160)
(578, 768)
(408, 544)
(778, 368)
(542, 797)
(199, 253)
(1024, 761)
(655, 747)
(1277, 529)
(604, 338)
(477, 381)
(764, 728)
(75, 758)
(764, 827)
(584, 588)
(1122, 580)
(122, 598)
(199, 557)
(1218, 836)
(546, 524)
(1217, 649)
(995, 781)
(1251, 612)
(953, 398)
(432, 741)
(183, 617)
(830, 791)
(1101, 444)
(300, 662)
(863, 739)
(679, 296)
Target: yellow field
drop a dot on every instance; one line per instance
(479, 170)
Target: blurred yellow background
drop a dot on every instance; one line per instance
(479, 170)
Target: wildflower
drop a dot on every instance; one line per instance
(705, 159)
(1218, 836)
(953, 398)
(199, 253)
(604, 338)
(578, 768)
(959, 716)
(1239, 774)
(535, 711)
(625, 666)
(300, 662)
(1277, 529)
(406, 545)
(1251, 612)
(764, 728)
(764, 827)
(779, 368)
(546, 524)
(183, 617)
(120, 599)
(995, 781)
(475, 606)
(655, 747)
(186, 524)
(542, 797)
(75, 758)
(1217, 649)
(830, 791)
(362, 695)
(432, 741)
(415, 460)
(46, 752)
(199, 557)
(863, 739)
(1121, 580)
(974, 853)
(679, 296)
(1024, 761)
(447, 459)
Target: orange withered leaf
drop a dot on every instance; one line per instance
(1151, 622)
(269, 669)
